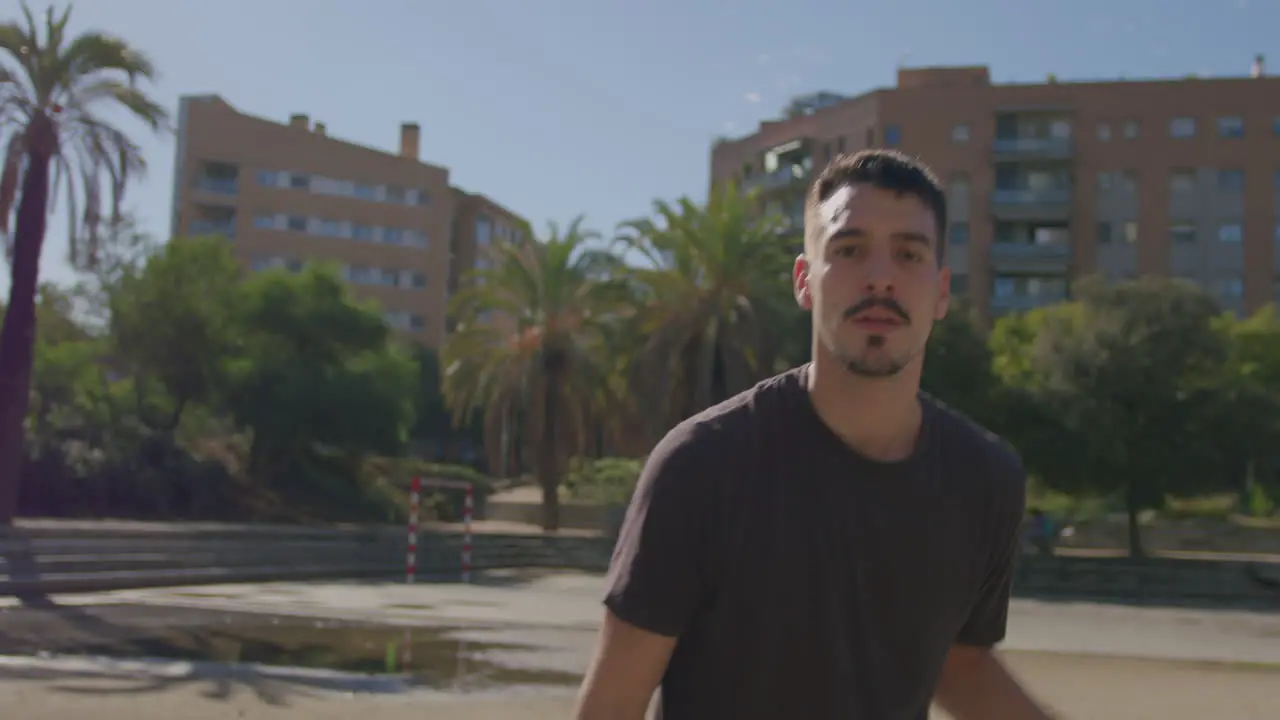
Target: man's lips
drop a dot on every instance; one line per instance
(878, 322)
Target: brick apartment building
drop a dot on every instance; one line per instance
(1055, 181)
(288, 194)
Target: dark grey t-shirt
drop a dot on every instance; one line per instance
(804, 580)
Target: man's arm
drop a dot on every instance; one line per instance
(656, 580)
(975, 685)
(627, 668)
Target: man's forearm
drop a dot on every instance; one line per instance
(976, 686)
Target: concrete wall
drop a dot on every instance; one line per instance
(85, 557)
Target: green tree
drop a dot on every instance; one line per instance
(1119, 384)
(51, 92)
(958, 364)
(317, 381)
(1246, 416)
(172, 323)
(715, 297)
(529, 348)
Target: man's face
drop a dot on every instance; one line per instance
(870, 275)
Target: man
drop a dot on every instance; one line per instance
(831, 543)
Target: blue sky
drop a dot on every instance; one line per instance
(561, 107)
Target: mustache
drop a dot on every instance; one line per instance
(872, 303)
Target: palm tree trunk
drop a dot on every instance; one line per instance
(18, 336)
(549, 452)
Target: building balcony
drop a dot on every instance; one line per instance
(1030, 257)
(1030, 205)
(218, 186)
(779, 178)
(225, 228)
(1022, 302)
(1018, 148)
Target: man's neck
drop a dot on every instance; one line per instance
(880, 418)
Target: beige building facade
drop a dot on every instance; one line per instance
(1048, 183)
(289, 194)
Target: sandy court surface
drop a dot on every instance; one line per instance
(1081, 688)
(1077, 657)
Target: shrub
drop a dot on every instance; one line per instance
(606, 481)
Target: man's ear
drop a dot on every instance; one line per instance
(944, 294)
(800, 282)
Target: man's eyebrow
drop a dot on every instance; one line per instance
(854, 233)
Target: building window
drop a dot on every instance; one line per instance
(297, 223)
(331, 228)
(892, 136)
(1182, 233)
(1127, 181)
(1182, 127)
(392, 236)
(1182, 181)
(484, 230)
(1230, 233)
(299, 182)
(395, 195)
(1104, 233)
(1129, 232)
(365, 192)
(418, 280)
(1232, 180)
(1003, 287)
(1104, 131)
(840, 144)
(1105, 180)
(418, 239)
(268, 178)
(960, 132)
(1231, 127)
(1130, 129)
(364, 233)
(959, 233)
(1231, 288)
(265, 222)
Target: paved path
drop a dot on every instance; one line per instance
(571, 601)
(547, 620)
(1076, 688)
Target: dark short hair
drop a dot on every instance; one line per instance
(885, 169)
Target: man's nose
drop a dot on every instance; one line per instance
(879, 274)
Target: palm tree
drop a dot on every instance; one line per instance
(50, 92)
(529, 346)
(716, 295)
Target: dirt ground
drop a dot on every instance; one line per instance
(1077, 687)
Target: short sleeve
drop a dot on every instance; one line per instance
(989, 617)
(656, 577)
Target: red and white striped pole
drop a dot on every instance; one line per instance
(411, 560)
(468, 509)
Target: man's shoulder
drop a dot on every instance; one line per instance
(974, 446)
(725, 426)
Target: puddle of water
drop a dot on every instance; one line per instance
(437, 657)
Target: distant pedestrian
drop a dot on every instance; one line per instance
(1040, 532)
